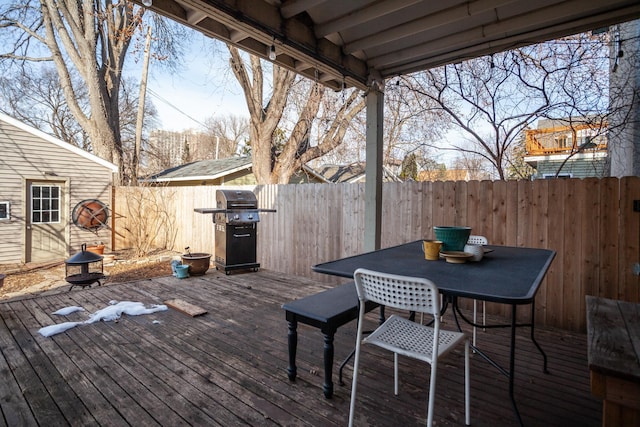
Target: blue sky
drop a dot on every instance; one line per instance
(203, 87)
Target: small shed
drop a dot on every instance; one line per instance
(54, 196)
(229, 171)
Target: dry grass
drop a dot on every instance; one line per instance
(30, 279)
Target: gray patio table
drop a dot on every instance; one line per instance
(506, 275)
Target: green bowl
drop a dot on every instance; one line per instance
(453, 238)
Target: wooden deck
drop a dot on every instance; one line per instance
(228, 367)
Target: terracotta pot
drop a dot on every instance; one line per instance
(198, 263)
(98, 249)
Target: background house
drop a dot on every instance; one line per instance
(42, 180)
(229, 171)
(567, 148)
(444, 175)
(351, 173)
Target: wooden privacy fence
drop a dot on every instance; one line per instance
(590, 223)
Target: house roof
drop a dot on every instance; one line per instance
(60, 143)
(354, 172)
(356, 42)
(203, 170)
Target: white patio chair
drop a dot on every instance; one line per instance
(405, 337)
(478, 240)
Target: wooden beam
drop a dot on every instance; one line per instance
(373, 169)
(426, 23)
(262, 22)
(195, 16)
(506, 33)
(294, 7)
(361, 16)
(454, 49)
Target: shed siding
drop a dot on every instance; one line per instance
(26, 156)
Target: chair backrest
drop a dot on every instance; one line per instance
(477, 240)
(401, 292)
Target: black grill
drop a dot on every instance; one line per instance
(236, 218)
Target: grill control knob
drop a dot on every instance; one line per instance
(250, 216)
(236, 216)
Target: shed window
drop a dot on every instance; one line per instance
(45, 203)
(5, 213)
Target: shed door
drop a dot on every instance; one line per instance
(45, 236)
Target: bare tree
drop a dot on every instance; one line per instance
(275, 163)
(36, 98)
(228, 135)
(492, 99)
(87, 40)
(411, 124)
(473, 164)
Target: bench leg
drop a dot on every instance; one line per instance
(293, 346)
(327, 387)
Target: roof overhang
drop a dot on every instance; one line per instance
(355, 42)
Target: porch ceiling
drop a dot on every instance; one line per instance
(357, 41)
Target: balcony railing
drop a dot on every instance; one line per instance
(565, 140)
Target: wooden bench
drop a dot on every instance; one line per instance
(327, 310)
(613, 333)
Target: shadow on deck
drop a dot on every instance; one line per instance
(228, 367)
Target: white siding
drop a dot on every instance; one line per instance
(24, 156)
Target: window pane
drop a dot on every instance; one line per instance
(54, 217)
(54, 204)
(36, 217)
(36, 204)
(45, 217)
(54, 192)
(46, 191)
(46, 205)
(35, 191)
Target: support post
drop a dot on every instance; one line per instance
(373, 169)
(624, 85)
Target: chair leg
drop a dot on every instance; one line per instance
(432, 392)
(467, 385)
(356, 367)
(395, 373)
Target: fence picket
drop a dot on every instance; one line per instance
(590, 223)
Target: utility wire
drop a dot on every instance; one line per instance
(155, 95)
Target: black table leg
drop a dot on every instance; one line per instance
(327, 387)
(533, 338)
(293, 346)
(512, 363)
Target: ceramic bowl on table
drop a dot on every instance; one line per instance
(453, 238)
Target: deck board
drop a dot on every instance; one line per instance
(228, 367)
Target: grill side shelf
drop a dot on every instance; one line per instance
(209, 210)
(215, 211)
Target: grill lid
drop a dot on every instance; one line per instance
(83, 257)
(236, 199)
